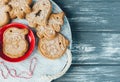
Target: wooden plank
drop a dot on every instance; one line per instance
(96, 44)
(96, 48)
(91, 74)
(92, 15)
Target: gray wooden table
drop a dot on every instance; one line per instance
(95, 28)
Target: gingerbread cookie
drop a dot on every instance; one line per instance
(40, 13)
(46, 31)
(19, 8)
(54, 48)
(56, 20)
(4, 9)
(14, 43)
(54, 25)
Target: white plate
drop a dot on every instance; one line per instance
(45, 70)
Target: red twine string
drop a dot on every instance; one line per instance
(24, 74)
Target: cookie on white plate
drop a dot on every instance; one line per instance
(49, 31)
(54, 48)
(19, 8)
(40, 13)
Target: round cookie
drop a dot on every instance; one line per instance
(54, 48)
(14, 43)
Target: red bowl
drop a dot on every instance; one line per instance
(31, 40)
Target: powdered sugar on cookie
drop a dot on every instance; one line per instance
(19, 8)
(40, 13)
(14, 43)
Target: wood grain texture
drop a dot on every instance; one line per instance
(96, 48)
(96, 40)
(91, 74)
(92, 15)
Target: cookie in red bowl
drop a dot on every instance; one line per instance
(17, 42)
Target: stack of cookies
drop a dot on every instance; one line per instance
(51, 43)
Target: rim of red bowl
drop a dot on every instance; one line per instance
(31, 41)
